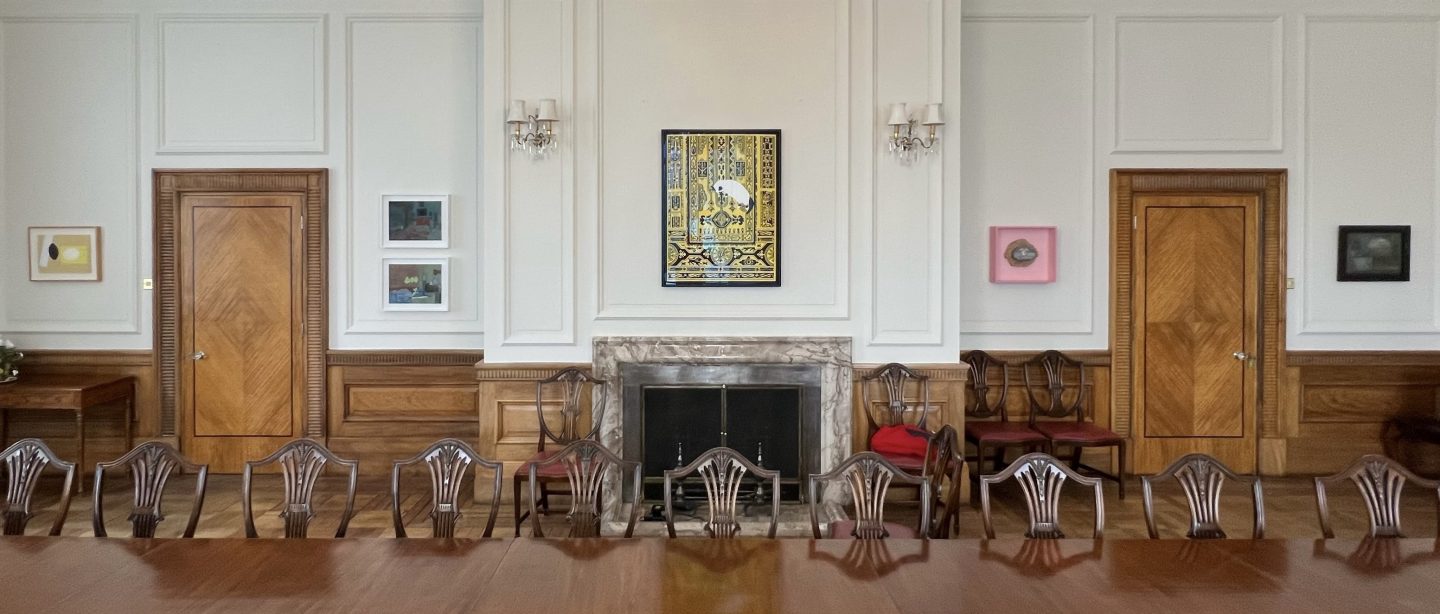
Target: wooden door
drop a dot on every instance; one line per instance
(241, 343)
(1196, 285)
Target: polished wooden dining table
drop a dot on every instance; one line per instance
(47, 574)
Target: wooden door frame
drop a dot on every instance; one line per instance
(169, 187)
(1269, 187)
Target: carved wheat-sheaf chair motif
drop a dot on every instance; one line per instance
(447, 460)
(987, 423)
(301, 463)
(1380, 481)
(1201, 477)
(1048, 399)
(945, 459)
(150, 466)
(25, 460)
(868, 477)
(722, 470)
(1041, 477)
(568, 387)
(587, 465)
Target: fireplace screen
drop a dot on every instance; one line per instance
(761, 422)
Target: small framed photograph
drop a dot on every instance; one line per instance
(1022, 254)
(64, 253)
(417, 284)
(1374, 253)
(417, 221)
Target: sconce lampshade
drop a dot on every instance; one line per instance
(898, 116)
(517, 112)
(547, 110)
(932, 115)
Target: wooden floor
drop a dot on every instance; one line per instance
(1289, 510)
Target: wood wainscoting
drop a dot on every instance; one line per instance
(947, 396)
(387, 405)
(1097, 394)
(509, 430)
(105, 436)
(1336, 405)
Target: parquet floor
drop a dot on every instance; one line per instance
(1289, 511)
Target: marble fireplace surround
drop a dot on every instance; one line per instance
(830, 354)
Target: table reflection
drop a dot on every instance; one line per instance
(1377, 556)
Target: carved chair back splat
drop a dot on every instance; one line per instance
(1201, 477)
(896, 382)
(150, 465)
(571, 383)
(24, 461)
(1054, 365)
(1380, 480)
(981, 404)
(301, 463)
(722, 470)
(447, 460)
(588, 466)
(868, 477)
(1040, 477)
(944, 458)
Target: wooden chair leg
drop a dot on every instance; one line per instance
(544, 498)
(1075, 458)
(999, 458)
(1120, 470)
(517, 505)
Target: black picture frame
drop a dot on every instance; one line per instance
(665, 277)
(1373, 253)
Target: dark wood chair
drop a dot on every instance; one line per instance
(586, 466)
(1041, 476)
(1048, 400)
(1201, 477)
(301, 463)
(945, 460)
(896, 383)
(1380, 481)
(448, 460)
(987, 423)
(569, 386)
(25, 460)
(868, 477)
(722, 470)
(150, 465)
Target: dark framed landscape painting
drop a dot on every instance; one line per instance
(1374, 253)
(721, 208)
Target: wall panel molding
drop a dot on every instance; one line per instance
(402, 358)
(315, 142)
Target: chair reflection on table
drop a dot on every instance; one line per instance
(1042, 557)
(864, 556)
(1379, 555)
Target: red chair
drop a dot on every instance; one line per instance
(568, 387)
(998, 434)
(896, 383)
(1048, 400)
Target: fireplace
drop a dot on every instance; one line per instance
(769, 413)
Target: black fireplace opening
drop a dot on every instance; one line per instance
(763, 422)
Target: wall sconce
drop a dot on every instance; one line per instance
(533, 133)
(903, 142)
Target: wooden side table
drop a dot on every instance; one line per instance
(77, 393)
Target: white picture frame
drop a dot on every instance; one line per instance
(64, 253)
(410, 221)
(426, 279)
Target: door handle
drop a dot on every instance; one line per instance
(1241, 356)
(197, 356)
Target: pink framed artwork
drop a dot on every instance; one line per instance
(1022, 254)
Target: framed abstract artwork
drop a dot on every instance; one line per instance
(64, 253)
(417, 221)
(1022, 254)
(417, 284)
(721, 205)
(1373, 253)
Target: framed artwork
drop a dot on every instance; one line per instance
(1022, 254)
(64, 253)
(417, 221)
(1374, 253)
(417, 284)
(721, 208)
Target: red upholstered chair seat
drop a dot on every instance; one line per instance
(842, 529)
(907, 463)
(1077, 432)
(556, 470)
(1002, 432)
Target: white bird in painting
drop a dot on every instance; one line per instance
(733, 189)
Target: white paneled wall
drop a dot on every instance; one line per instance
(97, 94)
(1342, 94)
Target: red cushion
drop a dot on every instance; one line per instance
(1001, 432)
(900, 440)
(842, 529)
(546, 471)
(907, 463)
(1077, 432)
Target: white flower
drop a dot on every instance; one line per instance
(8, 344)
